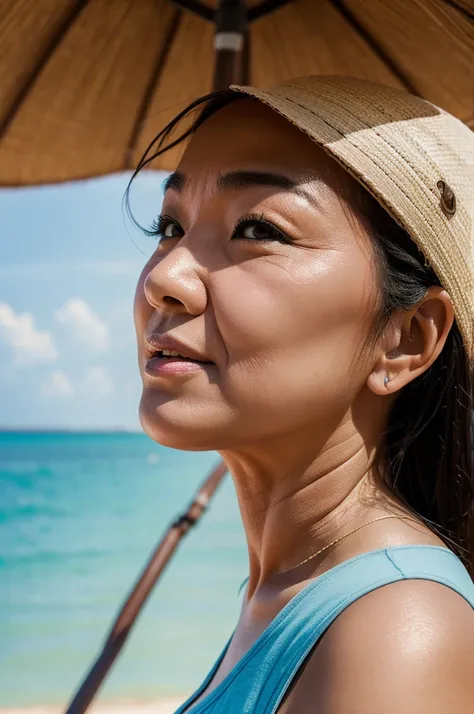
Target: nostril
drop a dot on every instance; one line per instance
(168, 300)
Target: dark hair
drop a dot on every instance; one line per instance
(429, 440)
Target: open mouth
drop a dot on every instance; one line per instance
(166, 363)
(171, 355)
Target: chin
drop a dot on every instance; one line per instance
(174, 426)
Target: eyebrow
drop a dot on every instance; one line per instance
(245, 179)
(174, 182)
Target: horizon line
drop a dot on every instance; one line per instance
(66, 429)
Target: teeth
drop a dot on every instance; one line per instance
(169, 353)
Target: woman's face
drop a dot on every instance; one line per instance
(261, 274)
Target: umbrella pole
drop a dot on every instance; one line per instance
(229, 44)
(141, 590)
(231, 41)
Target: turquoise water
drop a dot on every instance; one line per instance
(79, 515)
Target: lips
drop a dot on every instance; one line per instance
(169, 358)
(162, 345)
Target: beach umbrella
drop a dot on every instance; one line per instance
(86, 84)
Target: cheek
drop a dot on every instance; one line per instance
(291, 342)
(269, 309)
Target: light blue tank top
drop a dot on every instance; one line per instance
(258, 682)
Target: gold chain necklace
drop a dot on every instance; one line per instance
(315, 555)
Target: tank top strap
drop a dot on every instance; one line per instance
(320, 603)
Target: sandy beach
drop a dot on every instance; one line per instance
(161, 706)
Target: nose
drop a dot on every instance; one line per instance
(174, 283)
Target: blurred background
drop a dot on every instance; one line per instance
(84, 496)
(85, 85)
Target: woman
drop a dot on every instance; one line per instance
(308, 313)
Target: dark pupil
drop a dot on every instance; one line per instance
(259, 230)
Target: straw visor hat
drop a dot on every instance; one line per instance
(414, 158)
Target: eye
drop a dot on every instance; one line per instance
(165, 227)
(257, 228)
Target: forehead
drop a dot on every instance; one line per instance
(246, 134)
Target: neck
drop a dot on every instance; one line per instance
(295, 499)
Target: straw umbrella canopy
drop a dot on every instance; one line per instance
(86, 84)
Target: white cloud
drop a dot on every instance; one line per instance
(85, 326)
(58, 385)
(19, 332)
(98, 382)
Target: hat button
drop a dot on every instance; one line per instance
(448, 199)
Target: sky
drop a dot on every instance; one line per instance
(69, 262)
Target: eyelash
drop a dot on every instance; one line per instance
(159, 225)
(252, 219)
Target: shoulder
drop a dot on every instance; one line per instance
(408, 646)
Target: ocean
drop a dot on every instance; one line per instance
(79, 515)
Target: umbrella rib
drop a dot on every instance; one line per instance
(463, 10)
(194, 6)
(265, 8)
(389, 61)
(30, 80)
(153, 83)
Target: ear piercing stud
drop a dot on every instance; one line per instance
(386, 381)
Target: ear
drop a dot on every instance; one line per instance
(411, 342)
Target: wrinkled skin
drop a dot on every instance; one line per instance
(295, 398)
(265, 313)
